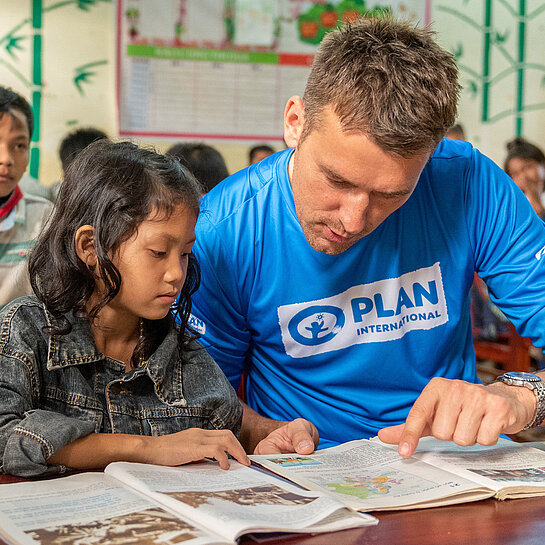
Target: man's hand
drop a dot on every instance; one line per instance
(299, 436)
(454, 410)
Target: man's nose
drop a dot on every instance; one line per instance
(353, 212)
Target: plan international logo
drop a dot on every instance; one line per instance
(376, 312)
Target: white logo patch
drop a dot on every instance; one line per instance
(541, 253)
(381, 311)
(198, 325)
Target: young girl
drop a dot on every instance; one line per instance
(93, 369)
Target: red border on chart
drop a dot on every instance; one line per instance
(200, 135)
(427, 15)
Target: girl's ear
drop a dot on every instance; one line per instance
(85, 245)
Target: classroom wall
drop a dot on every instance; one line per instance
(76, 62)
(500, 55)
(499, 48)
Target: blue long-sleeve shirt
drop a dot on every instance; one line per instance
(350, 340)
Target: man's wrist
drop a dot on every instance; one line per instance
(525, 399)
(256, 427)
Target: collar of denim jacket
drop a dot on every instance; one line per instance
(74, 348)
(78, 347)
(164, 367)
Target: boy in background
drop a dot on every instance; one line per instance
(21, 216)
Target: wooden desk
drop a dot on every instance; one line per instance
(489, 522)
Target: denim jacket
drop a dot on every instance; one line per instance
(55, 389)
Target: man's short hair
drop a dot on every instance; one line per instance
(389, 80)
(10, 100)
(77, 141)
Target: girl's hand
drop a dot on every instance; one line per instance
(193, 445)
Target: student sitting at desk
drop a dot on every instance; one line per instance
(93, 369)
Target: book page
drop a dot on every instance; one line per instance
(370, 476)
(89, 508)
(505, 466)
(237, 501)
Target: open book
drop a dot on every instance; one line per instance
(368, 475)
(195, 504)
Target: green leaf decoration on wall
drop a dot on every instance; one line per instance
(458, 52)
(82, 77)
(500, 38)
(83, 74)
(472, 88)
(13, 44)
(510, 44)
(86, 4)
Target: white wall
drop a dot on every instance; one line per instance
(73, 37)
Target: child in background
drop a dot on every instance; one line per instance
(205, 163)
(525, 163)
(94, 369)
(22, 215)
(71, 145)
(258, 153)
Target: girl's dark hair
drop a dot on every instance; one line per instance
(113, 186)
(522, 149)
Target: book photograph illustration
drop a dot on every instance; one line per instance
(195, 504)
(201, 504)
(140, 528)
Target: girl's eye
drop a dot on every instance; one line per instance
(157, 253)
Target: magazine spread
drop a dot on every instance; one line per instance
(196, 504)
(368, 475)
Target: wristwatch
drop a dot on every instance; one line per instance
(532, 382)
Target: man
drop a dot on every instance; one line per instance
(336, 274)
(21, 216)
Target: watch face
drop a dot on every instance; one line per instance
(527, 377)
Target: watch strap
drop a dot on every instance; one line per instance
(539, 415)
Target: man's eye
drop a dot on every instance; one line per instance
(157, 253)
(339, 183)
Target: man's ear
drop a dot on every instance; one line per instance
(85, 245)
(294, 119)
